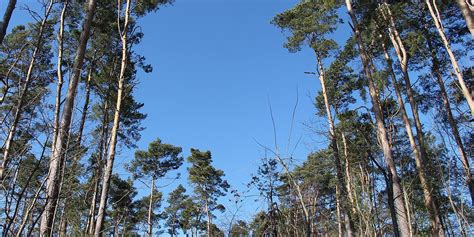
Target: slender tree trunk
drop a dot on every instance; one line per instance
(391, 205)
(91, 217)
(98, 167)
(150, 209)
(115, 127)
(209, 219)
(299, 194)
(59, 85)
(29, 211)
(21, 101)
(435, 15)
(449, 115)
(63, 223)
(85, 108)
(52, 184)
(402, 219)
(337, 160)
(59, 88)
(436, 226)
(350, 192)
(338, 213)
(12, 220)
(407, 205)
(467, 9)
(6, 19)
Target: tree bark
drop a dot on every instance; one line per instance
(6, 19)
(467, 8)
(115, 126)
(21, 101)
(402, 219)
(449, 115)
(52, 183)
(338, 213)
(337, 160)
(59, 85)
(209, 219)
(150, 209)
(350, 192)
(436, 225)
(435, 15)
(58, 95)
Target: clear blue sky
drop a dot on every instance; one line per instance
(217, 64)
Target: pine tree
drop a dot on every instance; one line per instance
(208, 183)
(155, 163)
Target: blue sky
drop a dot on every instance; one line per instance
(217, 65)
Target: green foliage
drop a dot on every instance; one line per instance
(239, 229)
(158, 160)
(309, 23)
(123, 207)
(177, 204)
(208, 181)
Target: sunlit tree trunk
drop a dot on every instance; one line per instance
(337, 160)
(52, 183)
(467, 9)
(350, 192)
(435, 15)
(58, 94)
(115, 126)
(449, 114)
(436, 225)
(21, 101)
(401, 214)
(150, 209)
(98, 168)
(209, 219)
(338, 213)
(59, 85)
(63, 223)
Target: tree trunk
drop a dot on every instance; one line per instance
(150, 209)
(98, 167)
(338, 213)
(449, 115)
(391, 204)
(85, 108)
(403, 224)
(91, 217)
(63, 222)
(467, 10)
(52, 183)
(21, 101)
(436, 226)
(435, 15)
(59, 86)
(337, 160)
(115, 126)
(76, 157)
(58, 99)
(29, 211)
(6, 19)
(209, 219)
(350, 192)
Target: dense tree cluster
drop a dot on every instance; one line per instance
(396, 100)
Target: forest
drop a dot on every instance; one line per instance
(394, 107)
